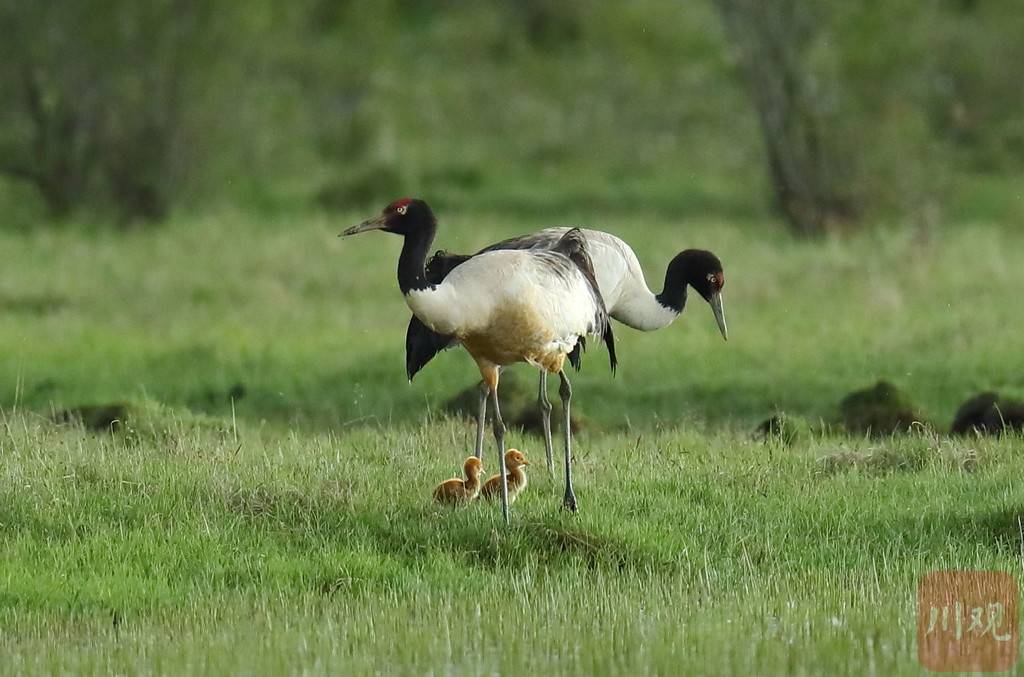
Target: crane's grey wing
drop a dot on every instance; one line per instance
(542, 239)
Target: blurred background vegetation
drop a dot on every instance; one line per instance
(173, 175)
(829, 114)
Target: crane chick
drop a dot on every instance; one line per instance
(459, 492)
(514, 462)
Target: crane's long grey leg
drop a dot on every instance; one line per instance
(545, 419)
(499, 436)
(565, 391)
(481, 419)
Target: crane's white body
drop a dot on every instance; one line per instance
(509, 306)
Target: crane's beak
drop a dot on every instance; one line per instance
(719, 310)
(376, 223)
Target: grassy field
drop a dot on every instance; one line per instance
(267, 507)
(312, 327)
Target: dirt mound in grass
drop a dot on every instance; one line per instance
(878, 462)
(782, 428)
(519, 408)
(880, 410)
(136, 420)
(96, 417)
(988, 414)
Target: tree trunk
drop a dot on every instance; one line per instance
(807, 179)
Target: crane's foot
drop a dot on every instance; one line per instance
(569, 502)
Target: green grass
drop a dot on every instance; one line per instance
(692, 552)
(313, 327)
(294, 532)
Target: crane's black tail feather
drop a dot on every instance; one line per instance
(609, 342)
(576, 356)
(421, 344)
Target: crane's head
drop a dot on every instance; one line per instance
(515, 459)
(403, 217)
(473, 467)
(701, 270)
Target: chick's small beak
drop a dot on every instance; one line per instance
(719, 310)
(376, 223)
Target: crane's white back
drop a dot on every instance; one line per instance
(543, 292)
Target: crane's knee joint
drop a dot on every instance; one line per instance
(565, 390)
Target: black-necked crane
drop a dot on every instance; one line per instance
(503, 306)
(623, 288)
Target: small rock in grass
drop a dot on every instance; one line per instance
(989, 414)
(880, 410)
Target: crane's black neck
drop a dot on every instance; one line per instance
(673, 295)
(418, 239)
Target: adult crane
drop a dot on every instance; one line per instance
(503, 306)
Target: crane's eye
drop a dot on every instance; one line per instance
(403, 209)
